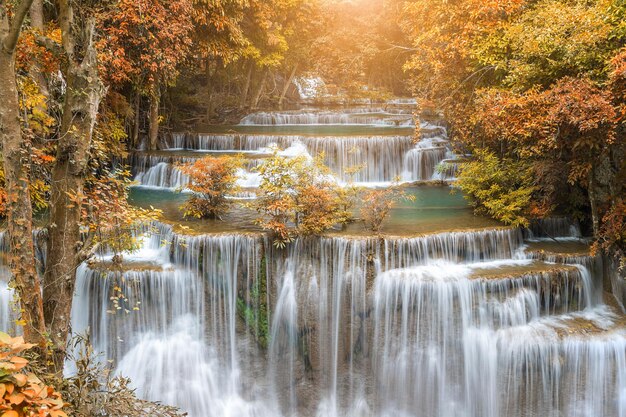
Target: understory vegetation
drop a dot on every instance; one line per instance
(299, 197)
(377, 205)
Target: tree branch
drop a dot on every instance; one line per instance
(66, 21)
(53, 47)
(16, 26)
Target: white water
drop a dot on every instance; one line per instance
(327, 117)
(372, 161)
(367, 160)
(454, 324)
(7, 316)
(309, 88)
(461, 324)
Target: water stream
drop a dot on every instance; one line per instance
(380, 142)
(480, 321)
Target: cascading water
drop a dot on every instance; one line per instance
(162, 175)
(370, 159)
(425, 326)
(363, 159)
(7, 316)
(367, 117)
(178, 306)
(481, 323)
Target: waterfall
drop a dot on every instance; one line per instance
(327, 118)
(176, 303)
(564, 375)
(366, 159)
(309, 88)
(162, 175)
(432, 325)
(489, 322)
(553, 227)
(7, 315)
(359, 159)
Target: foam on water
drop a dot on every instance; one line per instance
(426, 326)
(371, 161)
(454, 324)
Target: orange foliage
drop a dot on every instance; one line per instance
(297, 198)
(212, 180)
(617, 83)
(107, 214)
(144, 41)
(442, 65)
(613, 231)
(23, 394)
(573, 121)
(317, 209)
(30, 52)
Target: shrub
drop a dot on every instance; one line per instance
(299, 197)
(211, 179)
(94, 391)
(108, 216)
(22, 393)
(499, 188)
(377, 205)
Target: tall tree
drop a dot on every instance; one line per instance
(218, 39)
(84, 92)
(16, 153)
(144, 44)
(536, 82)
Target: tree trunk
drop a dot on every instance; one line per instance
(210, 85)
(155, 103)
(595, 217)
(36, 14)
(137, 110)
(259, 92)
(16, 154)
(246, 86)
(287, 85)
(80, 108)
(37, 22)
(209, 92)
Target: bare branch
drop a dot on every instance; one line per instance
(16, 26)
(400, 47)
(52, 46)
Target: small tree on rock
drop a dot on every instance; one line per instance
(377, 205)
(211, 179)
(299, 197)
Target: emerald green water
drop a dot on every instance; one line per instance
(435, 209)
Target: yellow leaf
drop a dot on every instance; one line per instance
(5, 338)
(10, 413)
